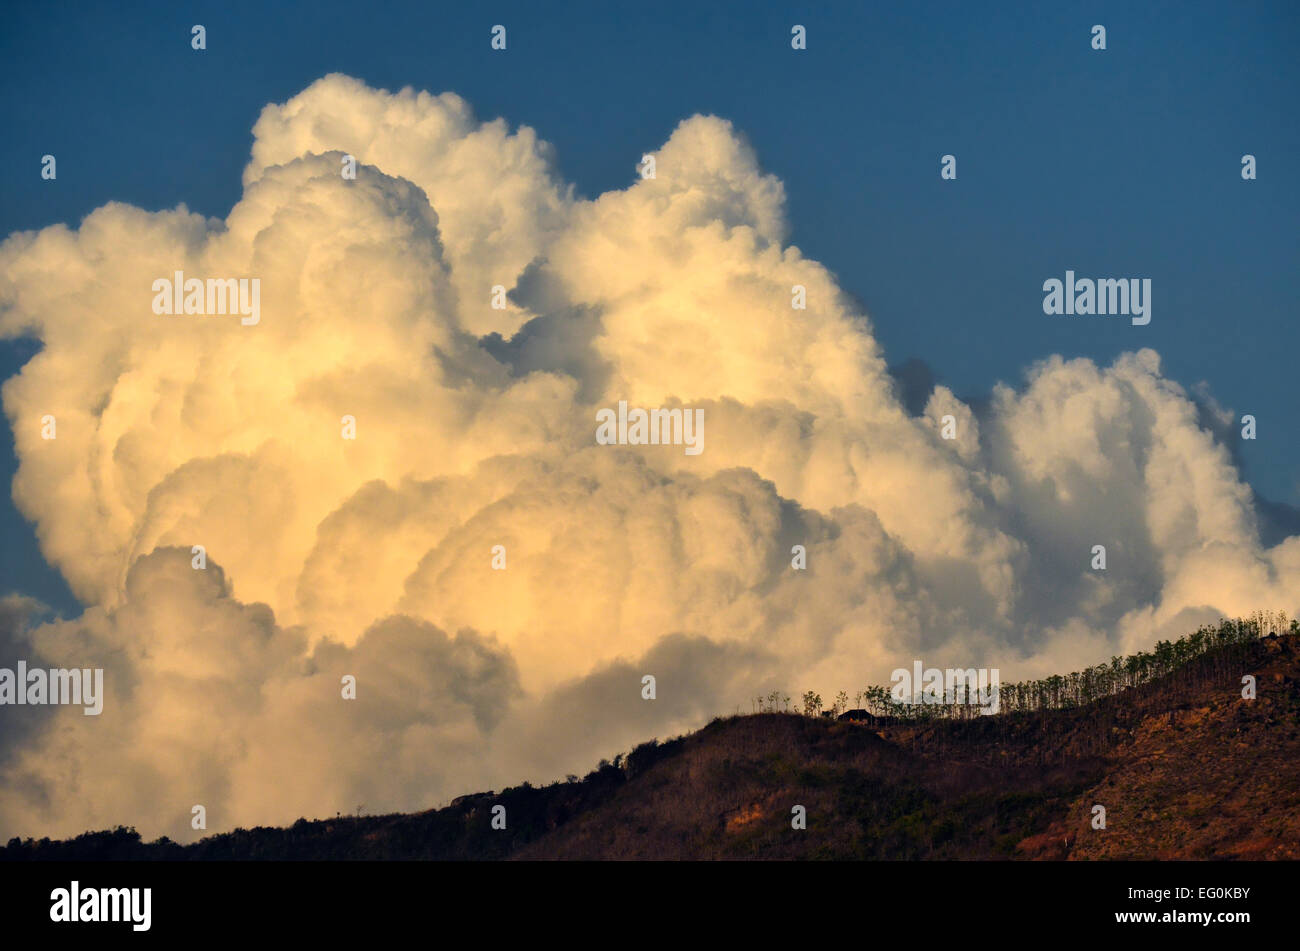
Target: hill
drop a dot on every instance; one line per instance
(1184, 767)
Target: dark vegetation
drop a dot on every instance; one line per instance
(1183, 764)
(1209, 653)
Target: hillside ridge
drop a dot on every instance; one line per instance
(1183, 766)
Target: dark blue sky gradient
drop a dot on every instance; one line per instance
(1117, 163)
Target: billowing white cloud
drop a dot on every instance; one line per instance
(475, 428)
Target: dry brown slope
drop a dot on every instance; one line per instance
(1185, 769)
(1216, 779)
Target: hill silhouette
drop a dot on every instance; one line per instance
(1184, 766)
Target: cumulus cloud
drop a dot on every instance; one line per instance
(475, 428)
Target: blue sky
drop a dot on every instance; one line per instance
(1117, 163)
